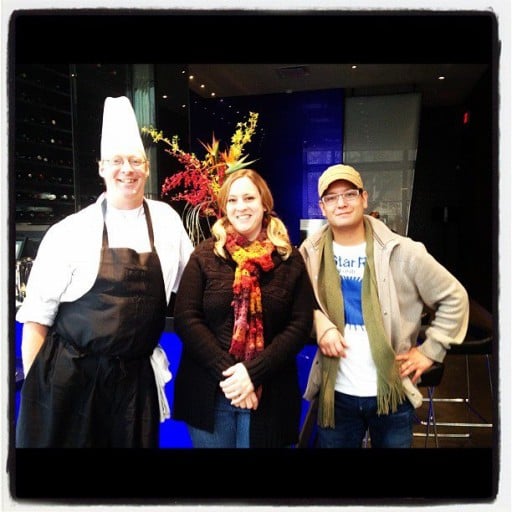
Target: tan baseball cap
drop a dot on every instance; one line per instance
(338, 172)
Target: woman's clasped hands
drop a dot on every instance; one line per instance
(239, 388)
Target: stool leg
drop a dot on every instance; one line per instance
(431, 419)
(433, 415)
(468, 398)
(427, 422)
(468, 387)
(488, 361)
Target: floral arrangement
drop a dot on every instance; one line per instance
(200, 180)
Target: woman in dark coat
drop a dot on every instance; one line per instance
(243, 312)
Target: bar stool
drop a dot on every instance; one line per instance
(430, 380)
(478, 342)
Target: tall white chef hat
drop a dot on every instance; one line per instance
(120, 134)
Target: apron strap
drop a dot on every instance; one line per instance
(149, 224)
(105, 233)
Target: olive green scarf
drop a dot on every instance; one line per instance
(390, 392)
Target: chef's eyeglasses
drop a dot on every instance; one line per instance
(117, 161)
(348, 197)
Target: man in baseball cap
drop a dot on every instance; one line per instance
(371, 285)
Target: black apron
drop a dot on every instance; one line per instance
(92, 383)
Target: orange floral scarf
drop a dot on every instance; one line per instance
(251, 258)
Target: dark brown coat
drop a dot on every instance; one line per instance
(204, 323)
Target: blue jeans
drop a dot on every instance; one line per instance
(231, 427)
(354, 415)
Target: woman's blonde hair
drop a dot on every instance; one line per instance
(276, 230)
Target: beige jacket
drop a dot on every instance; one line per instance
(408, 279)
